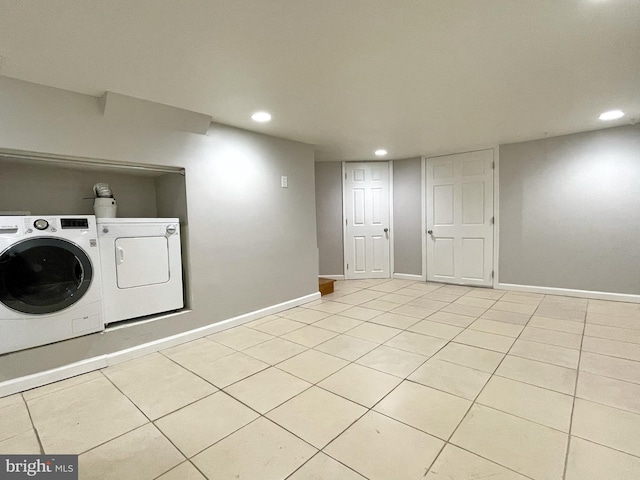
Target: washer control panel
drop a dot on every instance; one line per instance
(53, 224)
(40, 224)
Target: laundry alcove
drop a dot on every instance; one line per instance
(38, 184)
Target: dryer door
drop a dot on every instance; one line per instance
(43, 275)
(142, 261)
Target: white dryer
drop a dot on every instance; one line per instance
(141, 266)
(50, 280)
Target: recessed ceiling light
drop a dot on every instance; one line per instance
(611, 115)
(261, 117)
(381, 152)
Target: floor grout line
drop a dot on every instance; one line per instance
(573, 406)
(33, 425)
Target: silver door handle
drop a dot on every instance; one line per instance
(386, 230)
(430, 232)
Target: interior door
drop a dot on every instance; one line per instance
(141, 261)
(366, 207)
(460, 218)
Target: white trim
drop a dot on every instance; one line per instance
(146, 348)
(332, 277)
(391, 236)
(344, 219)
(20, 384)
(423, 209)
(407, 276)
(496, 215)
(84, 161)
(567, 292)
(27, 382)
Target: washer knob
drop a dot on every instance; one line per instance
(171, 229)
(105, 229)
(41, 224)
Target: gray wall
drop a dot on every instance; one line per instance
(251, 243)
(329, 217)
(570, 211)
(407, 216)
(61, 190)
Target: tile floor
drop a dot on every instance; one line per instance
(383, 379)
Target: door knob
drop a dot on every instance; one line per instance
(430, 232)
(386, 230)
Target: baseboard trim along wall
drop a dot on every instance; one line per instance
(21, 384)
(616, 297)
(408, 276)
(332, 277)
(16, 385)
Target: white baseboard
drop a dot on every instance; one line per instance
(16, 385)
(332, 277)
(407, 276)
(9, 387)
(617, 297)
(184, 337)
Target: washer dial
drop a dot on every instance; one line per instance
(41, 224)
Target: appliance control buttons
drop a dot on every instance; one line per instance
(54, 229)
(171, 229)
(41, 224)
(29, 230)
(105, 229)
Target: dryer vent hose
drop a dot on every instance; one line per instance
(102, 190)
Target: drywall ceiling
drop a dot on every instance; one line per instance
(348, 76)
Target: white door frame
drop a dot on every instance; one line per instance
(496, 214)
(496, 210)
(344, 216)
(423, 196)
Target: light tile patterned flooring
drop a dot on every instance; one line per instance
(383, 379)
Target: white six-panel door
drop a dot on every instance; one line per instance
(459, 208)
(366, 208)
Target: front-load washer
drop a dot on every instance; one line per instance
(141, 267)
(50, 280)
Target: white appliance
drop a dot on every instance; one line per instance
(50, 280)
(141, 266)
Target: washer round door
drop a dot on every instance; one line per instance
(43, 275)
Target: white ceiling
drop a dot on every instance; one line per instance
(349, 76)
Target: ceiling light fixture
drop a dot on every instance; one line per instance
(261, 117)
(611, 115)
(381, 152)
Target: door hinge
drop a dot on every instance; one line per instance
(493, 165)
(347, 266)
(346, 221)
(345, 176)
(493, 273)
(493, 219)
